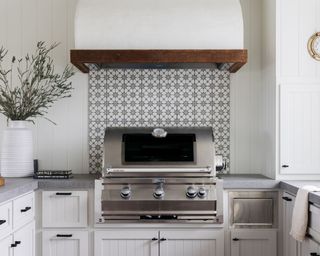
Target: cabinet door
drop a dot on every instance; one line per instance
(309, 248)
(65, 243)
(5, 246)
(253, 243)
(5, 219)
(64, 209)
(126, 243)
(191, 242)
(24, 239)
(290, 245)
(299, 129)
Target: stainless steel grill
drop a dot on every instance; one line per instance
(159, 175)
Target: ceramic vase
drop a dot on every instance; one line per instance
(16, 151)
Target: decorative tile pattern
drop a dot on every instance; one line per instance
(169, 97)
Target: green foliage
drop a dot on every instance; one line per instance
(38, 88)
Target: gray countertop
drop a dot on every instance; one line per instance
(17, 186)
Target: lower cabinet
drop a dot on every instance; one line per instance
(21, 243)
(5, 246)
(309, 248)
(159, 243)
(253, 243)
(65, 243)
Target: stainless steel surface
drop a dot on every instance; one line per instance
(185, 191)
(204, 149)
(248, 209)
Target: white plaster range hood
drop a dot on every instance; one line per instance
(159, 33)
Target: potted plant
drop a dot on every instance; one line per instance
(38, 86)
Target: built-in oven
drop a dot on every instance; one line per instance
(253, 209)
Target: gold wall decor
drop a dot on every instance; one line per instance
(314, 46)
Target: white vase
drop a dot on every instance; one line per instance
(16, 152)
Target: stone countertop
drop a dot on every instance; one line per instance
(293, 186)
(18, 186)
(15, 187)
(248, 181)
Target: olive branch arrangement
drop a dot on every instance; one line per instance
(39, 86)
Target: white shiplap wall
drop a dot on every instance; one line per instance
(24, 22)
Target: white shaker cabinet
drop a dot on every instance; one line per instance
(64, 209)
(309, 248)
(126, 243)
(5, 246)
(299, 129)
(253, 242)
(65, 243)
(290, 245)
(192, 242)
(24, 241)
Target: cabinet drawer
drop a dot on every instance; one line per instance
(64, 208)
(23, 210)
(5, 219)
(65, 243)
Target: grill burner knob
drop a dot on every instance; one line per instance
(158, 193)
(191, 192)
(202, 193)
(125, 192)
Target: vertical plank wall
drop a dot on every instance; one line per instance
(24, 22)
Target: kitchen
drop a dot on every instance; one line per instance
(248, 69)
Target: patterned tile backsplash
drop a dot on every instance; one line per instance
(150, 97)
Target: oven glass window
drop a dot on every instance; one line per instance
(146, 148)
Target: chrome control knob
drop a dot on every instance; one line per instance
(191, 192)
(158, 193)
(125, 192)
(202, 193)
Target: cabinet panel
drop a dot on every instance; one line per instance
(65, 243)
(65, 208)
(192, 243)
(290, 245)
(5, 219)
(299, 129)
(5, 246)
(253, 243)
(23, 210)
(309, 248)
(126, 243)
(25, 241)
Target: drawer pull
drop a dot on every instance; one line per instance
(13, 245)
(288, 199)
(314, 254)
(17, 242)
(2, 222)
(28, 208)
(63, 194)
(64, 235)
(235, 239)
(285, 166)
(163, 239)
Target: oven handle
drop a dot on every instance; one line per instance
(162, 170)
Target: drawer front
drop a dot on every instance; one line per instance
(23, 210)
(5, 219)
(66, 242)
(65, 208)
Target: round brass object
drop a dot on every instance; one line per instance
(314, 46)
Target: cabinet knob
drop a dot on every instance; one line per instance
(2, 222)
(235, 239)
